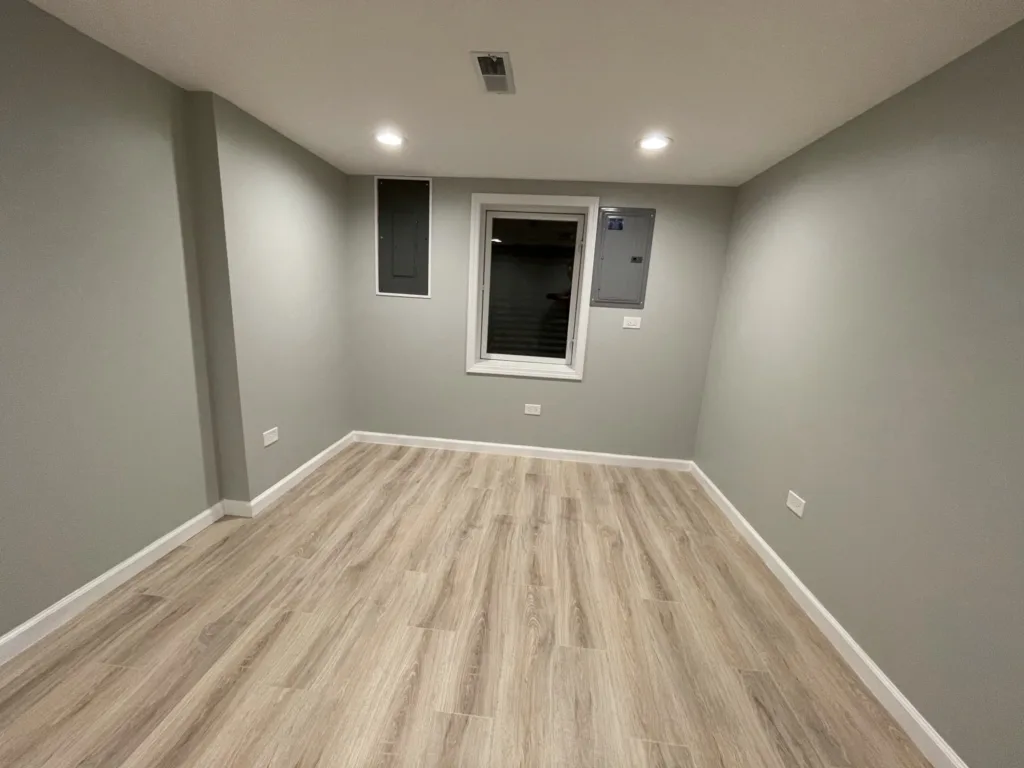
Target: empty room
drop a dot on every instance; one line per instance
(476, 383)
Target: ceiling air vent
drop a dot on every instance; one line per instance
(495, 70)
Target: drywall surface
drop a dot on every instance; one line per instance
(284, 217)
(216, 335)
(102, 451)
(641, 389)
(869, 354)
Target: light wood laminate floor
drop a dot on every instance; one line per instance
(413, 607)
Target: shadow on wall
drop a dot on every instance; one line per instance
(193, 284)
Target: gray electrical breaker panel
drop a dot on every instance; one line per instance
(623, 257)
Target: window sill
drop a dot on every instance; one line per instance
(525, 370)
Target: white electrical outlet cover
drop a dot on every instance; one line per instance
(631, 322)
(531, 409)
(270, 437)
(796, 504)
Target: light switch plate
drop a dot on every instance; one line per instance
(532, 409)
(631, 322)
(796, 504)
(270, 437)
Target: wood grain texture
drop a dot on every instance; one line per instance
(580, 620)
(787, 735)
(414, 607)
(586, 727)
(522, 722)
(654, 754)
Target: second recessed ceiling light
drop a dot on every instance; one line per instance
(390, 138)
(654, 142)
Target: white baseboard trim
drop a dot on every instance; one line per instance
(280, 488)
(234, 508)
(928, 740)
(39, 626)
(528, 451)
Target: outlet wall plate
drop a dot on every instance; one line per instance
(270, 437)
(631, 322)
(796, 504)
(531, 409)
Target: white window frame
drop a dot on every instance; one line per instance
(430, 237)
(556, 206)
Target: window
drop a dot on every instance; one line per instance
(531, 265)
(403, 237)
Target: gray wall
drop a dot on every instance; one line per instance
(869, 353)
(204, 208)
(284, 217)
(641, 389)
(101, 449)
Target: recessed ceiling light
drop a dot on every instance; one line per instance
(654, 142)
(495, 240)
(390, 138)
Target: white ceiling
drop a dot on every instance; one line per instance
(739, 84)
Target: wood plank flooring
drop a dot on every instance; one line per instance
(414, 607)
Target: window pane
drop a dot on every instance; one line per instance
(530, 287)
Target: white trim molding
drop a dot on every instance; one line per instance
(480, 204)
(39, 626)
(235, 508)
(527, 451)
(430, 238)
(281, 487)
(928, 740)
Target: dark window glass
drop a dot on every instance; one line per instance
(531, 283)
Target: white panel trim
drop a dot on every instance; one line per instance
(281, 487)
(482, 201)
(928, 740)
(528, 451)
(39, 626)
(430, 238)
